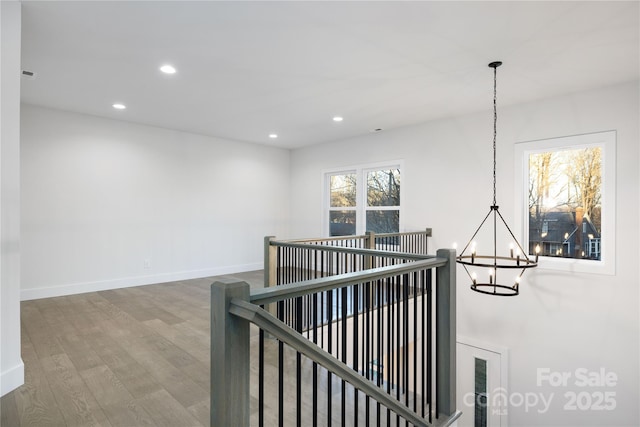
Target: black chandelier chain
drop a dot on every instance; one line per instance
(495, 128)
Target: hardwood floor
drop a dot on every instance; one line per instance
(127, 357)
(140, 357)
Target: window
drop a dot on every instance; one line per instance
(568, 200)
(594, 248)
(383, 201)
(342, 202)
(480, 393)
(364, 199)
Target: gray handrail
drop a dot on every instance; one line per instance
(297, 289)
(427, 232)
(321, 239)
(286, 334)
(357, 251)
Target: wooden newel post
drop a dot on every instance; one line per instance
(229, 357)
(369, 243)
(370, 240)
(270, 255)
(446, 333)
(270, 268)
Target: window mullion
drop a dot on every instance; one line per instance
(362, 201)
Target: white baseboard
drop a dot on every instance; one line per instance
(12, 378)
(103, 285)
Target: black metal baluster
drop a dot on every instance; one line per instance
(329, 340)
(261, 377)
(280, 371)
(366, 361)
(392, 315)
(415, 343)
(389, 342)
(314, 371)
(379, 337)
(298, 304)
(436, 357)
(323, 266)
(344, 352)
(397, 348)
(356, 314)
(425, 240)
(405, 304)
(423, 376)
(429, 342)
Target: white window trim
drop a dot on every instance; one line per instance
(361, 208)
(607, 140)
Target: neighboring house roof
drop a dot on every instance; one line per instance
(559, 225)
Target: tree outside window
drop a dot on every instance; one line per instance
(565, 196)
(383, 201)
(342, 204)
(366, 199)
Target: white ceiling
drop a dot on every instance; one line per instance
(247, 69)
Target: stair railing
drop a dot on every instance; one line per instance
(379, 294)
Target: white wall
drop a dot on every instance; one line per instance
(102, 198)
(11, 366)
(560, 321)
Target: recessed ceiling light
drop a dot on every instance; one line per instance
(119, 106)
(168, 69)
(337, 119)
(273, 135)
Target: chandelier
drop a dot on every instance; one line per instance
(493, 278)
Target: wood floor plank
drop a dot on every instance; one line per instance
(120, 323)
(115, 400)
(74, 399)
(53, 317)
(201, 411)
(81, 313)
(35, 402)
(81, 353)
(44, 338)
(135, 378)
(172, 379)
(183, 335)
(9, 412)
(159, 313)
(167, 411)
(175, 355)
(199, 373)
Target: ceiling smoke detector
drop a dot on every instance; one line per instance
(28, 74)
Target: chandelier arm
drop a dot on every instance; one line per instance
(495, 241)
(514, 237)
(474, 234)
(467, 270)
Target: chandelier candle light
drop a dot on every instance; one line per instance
(494, 262)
